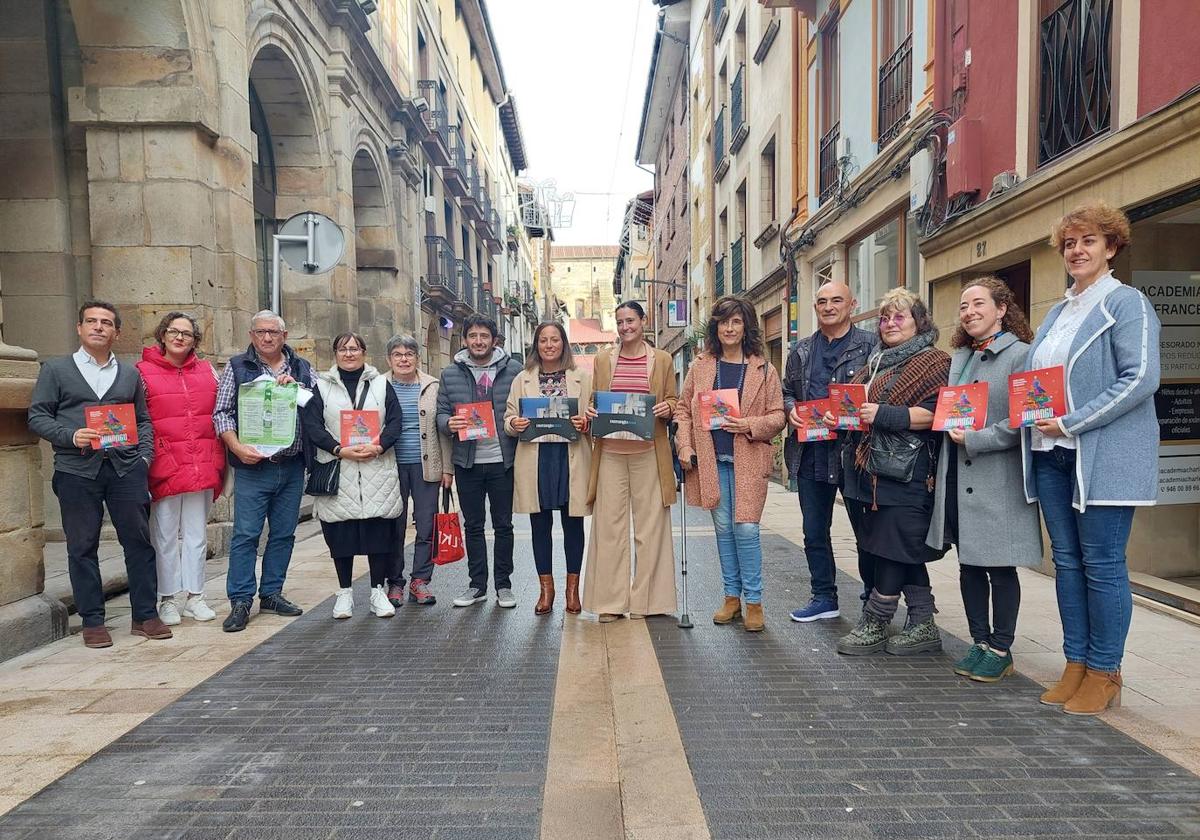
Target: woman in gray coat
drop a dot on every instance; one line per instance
(979, 498)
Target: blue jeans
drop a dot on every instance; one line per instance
(738, 544)
(270, 493)
(1092, 580)
(816, 508)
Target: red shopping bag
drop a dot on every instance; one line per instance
(447, 533)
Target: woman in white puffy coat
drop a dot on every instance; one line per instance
(360, 518)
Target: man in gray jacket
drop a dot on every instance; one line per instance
(483, 468)
(92, 471)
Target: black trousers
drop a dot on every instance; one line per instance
(493, 483)
(1002, 587)
(866, 560)
(890, 576)
(542, 525)
(127, 498)
(420, 499)
(380, 565)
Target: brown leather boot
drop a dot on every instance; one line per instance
(151, 628)
(545, 601)
(97, 637)
(730, 612)
(573, 605)
(753, 622)
(1067, 685)
(1100, 690)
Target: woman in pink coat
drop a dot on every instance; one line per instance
(733, 452)
(188, 470)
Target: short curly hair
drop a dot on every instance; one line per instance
(1100, 215)
(160, 332)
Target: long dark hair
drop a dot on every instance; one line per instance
(1002, 295)
(534, 362)
(634, 305)
(724, 309)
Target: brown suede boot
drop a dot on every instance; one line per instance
(753, 622)
(545, 601)
(730, 612)
(1100, 690)
(1067, 685)
(573, 605)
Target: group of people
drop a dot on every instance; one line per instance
(911, 493)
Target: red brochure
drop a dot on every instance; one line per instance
(844, 402)
(961, 407)
(718, 406)
(481, 420)
(360, 426)
(1036, 395)
(813, 426)
(117, 425)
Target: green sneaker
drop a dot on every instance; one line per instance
(965, 666)
(915, 638)
(992, 667)
(868, 637)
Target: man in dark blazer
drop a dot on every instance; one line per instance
(87, 479)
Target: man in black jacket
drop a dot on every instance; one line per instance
(112, 474)
(482, 372)
(834, 353)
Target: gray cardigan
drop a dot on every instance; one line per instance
(1112, 374)
(996, 525)
(56, 413)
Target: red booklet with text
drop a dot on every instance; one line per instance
(117, 425)
(844, 402)
(481, 420)
(360, 426)
(718, 406)
(1036, 395)
(813, 428)
(961, 407)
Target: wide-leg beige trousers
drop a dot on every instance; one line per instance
(625, 484)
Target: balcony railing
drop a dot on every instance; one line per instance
(736, 274)
(1075, 103)
(470, 201)
(738, 129)
(720, 160)
(719, 278)
(455, 172)
(437, 144)
(827, 175)
(441, 274)
(720, 16)
(895, 92)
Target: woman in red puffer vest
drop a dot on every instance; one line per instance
(188, 470)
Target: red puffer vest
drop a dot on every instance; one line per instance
(188, 456)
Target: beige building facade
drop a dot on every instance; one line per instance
(581, 282)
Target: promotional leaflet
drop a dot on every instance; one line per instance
(1036, 395)
(718, 406)
(117, 425)
(845, 402)
(624, 416)
(961, 407)
(812, 421)
(267, 415)
(549, 419)
(481, 420)
(360, 426)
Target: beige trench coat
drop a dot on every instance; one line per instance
(579, 453)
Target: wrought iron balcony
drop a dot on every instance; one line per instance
(895, 92)
(466, 284)
(455, 173)
(737, 265)
(719, 278)
(437, 142)
(1075, 102)
(738, 127)
(441, 274)
(492, 235)
(720, 159)
(471, 207)
(720, 17)
(828, 176)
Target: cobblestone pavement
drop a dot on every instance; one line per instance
(787, 739)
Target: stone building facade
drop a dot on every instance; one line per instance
(581, 282)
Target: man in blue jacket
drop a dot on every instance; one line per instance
(482, 372)
(834, 353)
(88, 479)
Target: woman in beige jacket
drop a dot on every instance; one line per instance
(632, 477)
(551, 473)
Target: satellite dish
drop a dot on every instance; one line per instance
(311, 243)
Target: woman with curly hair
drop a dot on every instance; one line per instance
(733, 461)
(979, 502)
(1092, 467)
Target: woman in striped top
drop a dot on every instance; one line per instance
(632, 477)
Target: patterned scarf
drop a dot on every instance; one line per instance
(985, 343)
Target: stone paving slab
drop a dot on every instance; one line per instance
(788, 739)
(432, 724)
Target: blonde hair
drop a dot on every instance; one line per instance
(1098, 214)
(899, 298)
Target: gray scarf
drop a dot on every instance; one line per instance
(889, 357)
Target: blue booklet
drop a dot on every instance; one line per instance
(550, 419)
(624, 416)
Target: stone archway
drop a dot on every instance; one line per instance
(380, 300)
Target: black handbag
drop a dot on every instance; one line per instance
(893, 454)
(323, 476)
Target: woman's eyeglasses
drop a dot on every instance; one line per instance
(186, 335)
(894, 318)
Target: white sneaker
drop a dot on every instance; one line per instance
(168, 611)
(343, 607)
(196, 608)
(380, 605)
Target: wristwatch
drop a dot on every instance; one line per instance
(337, 450)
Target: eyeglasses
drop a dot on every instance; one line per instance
(894, 318)
(349, 351)
(187, 335)
(404, 355)
(267, 333)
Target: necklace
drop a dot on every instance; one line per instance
(741, 374)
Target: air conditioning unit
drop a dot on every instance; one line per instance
(842, 147)
(431, 204)
(920, 167)
(1004, 182)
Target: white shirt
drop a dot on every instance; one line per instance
(99, 377)
(1055, 349)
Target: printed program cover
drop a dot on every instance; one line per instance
(812, 418)
(844, 402)
(1036, 395)
(624, 416)
(718, 406)
(961, 407)
(481, 420)
(550, 419)
(360, 426)
(117, 425)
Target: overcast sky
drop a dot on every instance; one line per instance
(578, 71)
